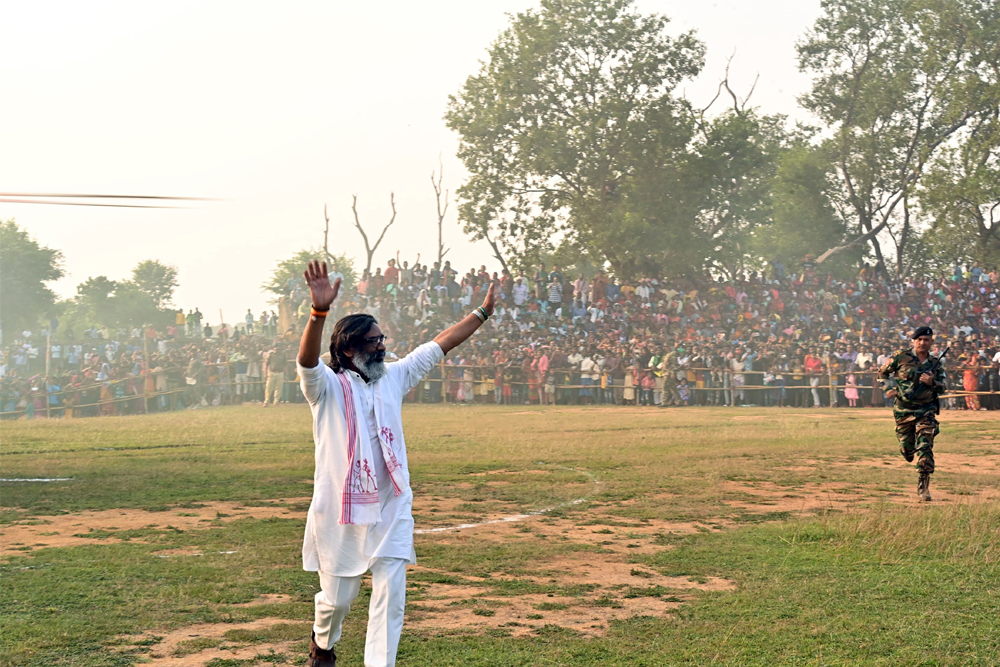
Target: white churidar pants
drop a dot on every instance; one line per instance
(385, 613)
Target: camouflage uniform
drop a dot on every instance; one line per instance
(670, 393)
(916, 406)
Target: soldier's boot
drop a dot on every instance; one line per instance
(924, 487)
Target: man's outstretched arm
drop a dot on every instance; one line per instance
(322, 294)
(456, 334)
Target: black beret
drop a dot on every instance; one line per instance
(922, 331)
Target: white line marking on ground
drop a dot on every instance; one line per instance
(517, 517)
(176, 555)
(37, 479)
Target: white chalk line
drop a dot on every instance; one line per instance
(189, 555)
(517, 517)
(36, 479)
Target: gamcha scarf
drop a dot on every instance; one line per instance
(360, 501)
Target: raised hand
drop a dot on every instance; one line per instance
(490, 301)
(320, 289)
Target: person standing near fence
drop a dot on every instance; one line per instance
(814, 369)
(274, 366)
(360, 517)
(920, 380)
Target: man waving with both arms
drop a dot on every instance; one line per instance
(361, 513)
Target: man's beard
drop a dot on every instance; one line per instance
(372, 366)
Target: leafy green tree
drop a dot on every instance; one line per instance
(118, 304)
(738, 155)
(895, 80)
(290, 270)
(805, 212)
(95, 297)
(156, 280)
(25, 267)
(557, 129)
(961, 194)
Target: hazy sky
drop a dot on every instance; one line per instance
(278, 108)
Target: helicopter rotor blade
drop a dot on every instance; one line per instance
(5, 200)
(78, 196)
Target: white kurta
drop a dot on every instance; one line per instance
(346, 550)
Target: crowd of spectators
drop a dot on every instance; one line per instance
(785, 337)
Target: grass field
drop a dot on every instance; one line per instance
(672, 537)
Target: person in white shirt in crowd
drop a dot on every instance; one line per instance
(520, 291)
(361, 513)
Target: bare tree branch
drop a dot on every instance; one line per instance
(370, 249)
(326, 235)
(496, 251)
(441, 211)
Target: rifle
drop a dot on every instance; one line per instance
(935, 365)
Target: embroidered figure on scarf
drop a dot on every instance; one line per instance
(371, 484)
(391, 463)
(355, 484)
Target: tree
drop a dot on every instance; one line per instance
(370, 249)
(118, 304)
(738, 160)
(95, 297)
(895, 80)
(290, 270)
(156, 280)
(25, 267)
(441, 210)
(961, 193)
(553, 128)
(805, 213)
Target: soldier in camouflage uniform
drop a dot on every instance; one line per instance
(669, 366)
(920, 380)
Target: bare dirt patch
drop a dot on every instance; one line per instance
(197, 645)
(813, 497)
(70, 530)
(810, 497)
(615, 588)
(618, 590)
(525, 614)
(943, 461)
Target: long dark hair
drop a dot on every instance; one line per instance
(348, 334)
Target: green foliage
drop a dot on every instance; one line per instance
(552, 126)
(737, 161)
(123, 304)
(804, 216)
(25, 267)
(895, 80)
(156, 280)
(962, 195)
(291, 269)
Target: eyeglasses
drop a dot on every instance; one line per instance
(374, 340)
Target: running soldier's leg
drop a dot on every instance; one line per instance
(906, 433)
(332, 604)
(926, 428)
